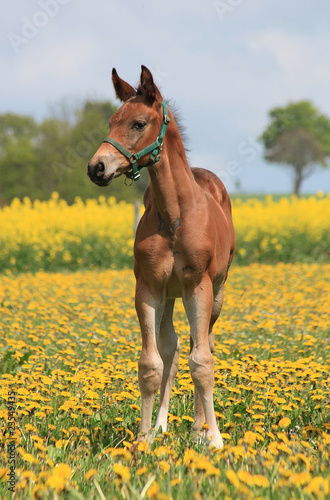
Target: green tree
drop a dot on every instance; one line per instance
(37, 159)
(54, 138)
(298, 136)
(71, 150)
(18, 158)
(15, 127)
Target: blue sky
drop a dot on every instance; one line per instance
(226, 64)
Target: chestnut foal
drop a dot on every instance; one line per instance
(184, 246)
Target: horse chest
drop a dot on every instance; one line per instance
(170, 262)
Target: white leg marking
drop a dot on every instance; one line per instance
(199, 308)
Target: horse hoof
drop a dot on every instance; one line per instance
(216, 443)
(147, 437)
(202, 437)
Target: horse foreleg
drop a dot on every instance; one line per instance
(150, 366)
(168, 347)
(198, 306)
(199, 416)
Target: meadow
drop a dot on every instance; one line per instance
(70, 342)
(52, 235)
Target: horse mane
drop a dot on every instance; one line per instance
(178, 120)
(177, 117)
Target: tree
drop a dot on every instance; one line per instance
(18, 158)
(298, 136)
(39, 158)
(15, 127)
(91, 127)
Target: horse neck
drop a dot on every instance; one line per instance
(171, 180)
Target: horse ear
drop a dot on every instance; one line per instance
(147, 86)
(123, 89)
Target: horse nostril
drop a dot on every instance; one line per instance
(100, 169)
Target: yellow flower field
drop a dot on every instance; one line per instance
(288, 230)
(52, 236)
(69, 346)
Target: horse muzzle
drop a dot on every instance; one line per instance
(96, 173)
(103, 169)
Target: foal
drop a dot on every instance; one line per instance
(184, 246)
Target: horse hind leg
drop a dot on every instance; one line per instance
(201, 313)
(168, 347)
(199, 415)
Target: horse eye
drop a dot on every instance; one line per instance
(139, 125)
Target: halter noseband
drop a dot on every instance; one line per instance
(155, 149)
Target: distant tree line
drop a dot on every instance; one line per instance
(37, 159)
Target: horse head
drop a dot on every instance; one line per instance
(134, 138)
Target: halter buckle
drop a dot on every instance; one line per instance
(136, 176)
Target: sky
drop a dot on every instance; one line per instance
(226, 63)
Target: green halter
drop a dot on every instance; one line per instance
(155, 149)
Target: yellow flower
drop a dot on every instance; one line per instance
(143, 445)
(187, 417)
(122, 471)
(225, 435)
(284, 422)
(245, 477)
(260, 480)
(301, 478)
(3, 472)
(59, 477)
(318, 486)
(285, 448)
(165, 466)
(27, 456)
(122, 453)
(251, 437)
(30, 427)
(91, 395)
(59, 443)
(142, 470)
(231, 475)
(90, 473)
(153, 490)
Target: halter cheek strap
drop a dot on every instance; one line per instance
(154, 148)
